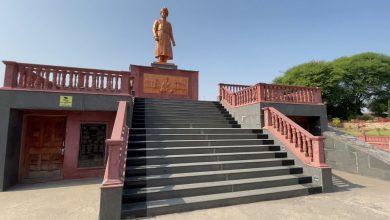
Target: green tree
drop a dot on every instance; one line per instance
(348, 83)
(388, 109)
(379, 107)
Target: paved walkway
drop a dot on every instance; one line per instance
(355, 197)
(69, 199)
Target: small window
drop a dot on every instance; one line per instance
(92, 145)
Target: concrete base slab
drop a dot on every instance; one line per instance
(354, 197)
(60, 200)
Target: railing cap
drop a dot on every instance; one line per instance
(114, 141)
(291, 86)
(65, 67)
(7, 62)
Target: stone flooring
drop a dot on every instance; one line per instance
(58, 200)
(355, 197)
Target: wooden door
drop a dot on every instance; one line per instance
(44, 150)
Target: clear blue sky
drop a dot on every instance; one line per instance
(229, 41)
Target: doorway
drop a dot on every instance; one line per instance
(44, 148)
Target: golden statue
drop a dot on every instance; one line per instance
(162, 31)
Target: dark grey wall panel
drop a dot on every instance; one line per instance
(13, 148)
(251, 116)
(11, 121)
(4, 120)
(344, 152)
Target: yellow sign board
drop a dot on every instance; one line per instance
(66, 101)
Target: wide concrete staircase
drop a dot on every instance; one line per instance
(186, 155)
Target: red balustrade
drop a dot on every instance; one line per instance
(116, 148)
(307, 147)
(227, 92)
(239, 95)
(70, 79)
(379, 141)
(294, 94)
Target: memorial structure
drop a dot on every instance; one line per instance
(145, 128)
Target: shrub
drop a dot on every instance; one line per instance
(364, 117)
(336, 122)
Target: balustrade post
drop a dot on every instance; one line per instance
(234, 99)
(125, 83)
(11, 74)
(281, 125)
(267, 118)
(112, 175)
(294, 137)
(309, 148)
(260, 92)
(299, 141)
(318, 151)
(289, 133)
(220, 95)
(304, 145)
(318, 96)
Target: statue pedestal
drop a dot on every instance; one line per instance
(163, 82)
(164, 65)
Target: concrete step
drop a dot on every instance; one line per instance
(172, 120)
(188, 121)
(162, 137)
(196, 158)
(205, 188)
(182, 117)
(194, 131)
(159, 207)
(189, 143)
(169, 114)
(181, 111)
(169, 107)
(199, 150)
(204, 166)
(208, 176)
(171, 101)
(185, 125)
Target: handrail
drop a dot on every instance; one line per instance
(28, 76)
(240, 95)
(116, 147)
(307, 147)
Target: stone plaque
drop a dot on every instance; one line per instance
(92, 145)
(165, 84)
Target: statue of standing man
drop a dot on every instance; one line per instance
(162, 31)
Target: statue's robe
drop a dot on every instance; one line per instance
(164, 33)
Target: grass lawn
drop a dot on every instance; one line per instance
(373, 132)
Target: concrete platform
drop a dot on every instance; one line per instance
(58, 200)
(355, 197)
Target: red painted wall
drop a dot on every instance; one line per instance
(72, 142)
(73, 121)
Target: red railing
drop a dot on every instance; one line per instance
(381, 142)
(27, 76)
(307, 147)
(116, 148)
(239, 95)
